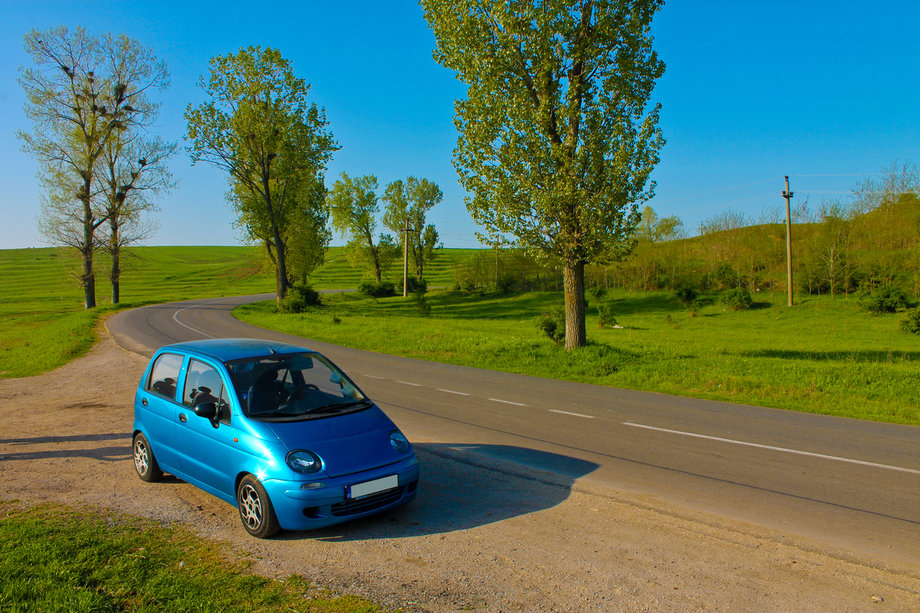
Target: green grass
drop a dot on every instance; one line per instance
(59, 559)
(41, 303)
(821, 356)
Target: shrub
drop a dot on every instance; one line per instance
(887, 299)
(421, 303)
(687, 296)
(415, 286)
(598, 292)
(553, 324)
(377, 290)
(299, 298)
(606, 318)
(911, 323)
(737, 299)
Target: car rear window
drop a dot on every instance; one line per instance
(164, 375)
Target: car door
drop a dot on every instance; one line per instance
(159, 407)
(208, 452)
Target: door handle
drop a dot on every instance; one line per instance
(144, 401)
(183, 418)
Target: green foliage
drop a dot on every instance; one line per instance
(377, 290)
(54, 559)
(552, 324)
(887, 299)
(422, 306)
(415, 286)
(259, 128)
(354, 207)
(738, 299)
(407, 207)
(605, 315)
(538, 115)
(687, 296)
(911, 323)
(300, 297)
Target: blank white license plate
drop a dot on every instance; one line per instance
(367, 488)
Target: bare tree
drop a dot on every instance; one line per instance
(81, 91)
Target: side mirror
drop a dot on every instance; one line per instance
(206, 409)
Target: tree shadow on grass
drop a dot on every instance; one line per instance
(866, 357)
(467, 485)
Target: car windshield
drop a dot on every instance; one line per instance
(293, 387)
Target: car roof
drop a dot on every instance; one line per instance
(229, 349)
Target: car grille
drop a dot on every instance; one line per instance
(368, 503)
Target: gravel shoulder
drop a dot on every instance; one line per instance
(482, 535)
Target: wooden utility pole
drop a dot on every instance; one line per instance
(788, 196)
(406, 259)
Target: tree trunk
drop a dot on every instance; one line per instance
(88, 280)
(281, 280)
(573, 274)
(116, 264)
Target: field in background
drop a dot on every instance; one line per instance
(825, 356)
(41, 303)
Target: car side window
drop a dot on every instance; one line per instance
(164, 374)
(203, 383)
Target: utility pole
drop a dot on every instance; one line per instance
(406, 259)
(788, 196)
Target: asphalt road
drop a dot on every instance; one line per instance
(851, 486)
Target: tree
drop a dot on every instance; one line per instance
(258, 126)
(555, 141)
(133, 169)
(654, 229)
(353, 205)
(81, 92)
(406, 210)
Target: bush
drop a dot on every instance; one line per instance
(377, 290)
(421, 303)
(887, 299)
(687, 296)
(911, 323)
(553, 324)
(738, 299)
(415, 286)
(606, 318)
(299, 298)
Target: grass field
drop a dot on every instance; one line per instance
(821, 356)
(41, 304)
(58, 559)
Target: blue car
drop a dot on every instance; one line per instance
(275, 429)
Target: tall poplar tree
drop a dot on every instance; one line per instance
(258, 126)
(556, 142)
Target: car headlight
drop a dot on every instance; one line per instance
(399, 442)
(303, 461)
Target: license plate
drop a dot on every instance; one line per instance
(359, 490)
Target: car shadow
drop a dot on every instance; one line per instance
(22, 448)
(464, 486)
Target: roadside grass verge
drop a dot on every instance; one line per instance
(822, 356)
(61, 559)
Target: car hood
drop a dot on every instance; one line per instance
(346, 443)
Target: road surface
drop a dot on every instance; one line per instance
(852, 486)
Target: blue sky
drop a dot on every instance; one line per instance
(824, 91)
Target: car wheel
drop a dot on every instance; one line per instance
(256, 511)
(144, 462)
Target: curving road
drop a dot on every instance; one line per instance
(852, 486)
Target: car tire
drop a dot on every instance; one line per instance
(144, 461)
(256, 511)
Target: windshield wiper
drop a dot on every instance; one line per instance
(336, 406)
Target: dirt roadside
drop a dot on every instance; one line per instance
(481, 535)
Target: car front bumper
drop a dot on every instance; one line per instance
(306, 505)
